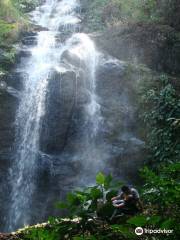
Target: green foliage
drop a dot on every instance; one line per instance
(161, 193)
(12, 22)
(7, 10)
(94, 14)
(125, 230)
(143, 220)
(100, 179)
(7, 58)
(25, 5)
(160, 105)
(12, 10)
(163, 189)
(102, 13)
(92, 200)
(5, 29)
(41, 234)
(10, 55)
(88, 215)
(12, 16)
(89, 210)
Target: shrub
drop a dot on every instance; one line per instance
(160, 106)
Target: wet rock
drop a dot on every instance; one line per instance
(82, 96)
(59, 108)
(29, 40)
(7, 135)
(15, 79)
(22, 53)
(1, 55)
(157, 46)
(71, 58)
(6, 236)
(38, 28)
(70, 28)
(29, 33)
(3, 85)
(119, 111)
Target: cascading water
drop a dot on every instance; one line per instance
(56, 16)
(28, 123)
(87, 53)
(85, 50)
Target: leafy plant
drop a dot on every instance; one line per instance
(92, 200)
(84, 221)
(160, 105)
(103, 13)
(161, 193)
(5, 29)
(41, 234)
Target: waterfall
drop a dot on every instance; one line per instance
(81, 46)
(86, 51)
(47, 55)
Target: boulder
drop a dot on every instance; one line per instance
(29, 40)
(71, 58)
(59, 107)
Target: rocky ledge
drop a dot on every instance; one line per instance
(6, 236)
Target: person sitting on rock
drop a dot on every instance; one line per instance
(128, 201)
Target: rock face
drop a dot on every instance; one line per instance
(8, 105)
(118, 95)
(63, 121)
(157, 46)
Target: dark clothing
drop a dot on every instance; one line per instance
(133, 192)
(130, 204)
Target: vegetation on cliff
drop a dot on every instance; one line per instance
(161, 111)
(13, 21)
(104, 13)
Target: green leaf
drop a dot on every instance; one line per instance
(111, 194)
(125, 230)
(168, 224)
(154, 220)
(138, 221)
(100, 178)
(61, 205)
(105, 211)
(95, 193)
(73, 199)
(108, 181)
